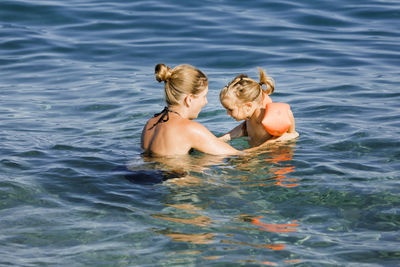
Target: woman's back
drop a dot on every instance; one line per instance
(166, 138)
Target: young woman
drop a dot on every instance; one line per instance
(173, 131)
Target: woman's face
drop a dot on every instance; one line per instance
(198, 102)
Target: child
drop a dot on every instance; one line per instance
(245, 99)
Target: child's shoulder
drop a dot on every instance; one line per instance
(266, 99)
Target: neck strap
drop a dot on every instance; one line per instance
(164, 116)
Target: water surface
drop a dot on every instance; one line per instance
(77, 86)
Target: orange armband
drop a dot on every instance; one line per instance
(276, 120)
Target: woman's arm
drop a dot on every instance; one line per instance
(204, 141)
(274, 141)
(283, 138)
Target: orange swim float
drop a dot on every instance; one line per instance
(276, 120)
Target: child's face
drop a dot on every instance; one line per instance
(234, 110)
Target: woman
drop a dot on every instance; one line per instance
(173, 131)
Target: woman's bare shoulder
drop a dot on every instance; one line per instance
(195, 127)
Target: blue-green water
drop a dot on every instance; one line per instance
(77, 86)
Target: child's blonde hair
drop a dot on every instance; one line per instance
(245, 89)
(179, 81)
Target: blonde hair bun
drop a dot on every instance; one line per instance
(162, 72)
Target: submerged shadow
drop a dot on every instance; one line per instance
(153, 170)
(148, 177)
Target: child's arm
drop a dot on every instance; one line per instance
(292, 123)
(236, 132)
(289, 135)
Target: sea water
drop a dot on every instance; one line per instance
(77, 86)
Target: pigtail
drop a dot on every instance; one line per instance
(267, 81)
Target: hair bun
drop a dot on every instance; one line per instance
(162, 72)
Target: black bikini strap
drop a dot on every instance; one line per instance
(164, 116)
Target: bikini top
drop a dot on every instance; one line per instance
(164, 116)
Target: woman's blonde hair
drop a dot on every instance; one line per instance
(245, 89)
(179, 81)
